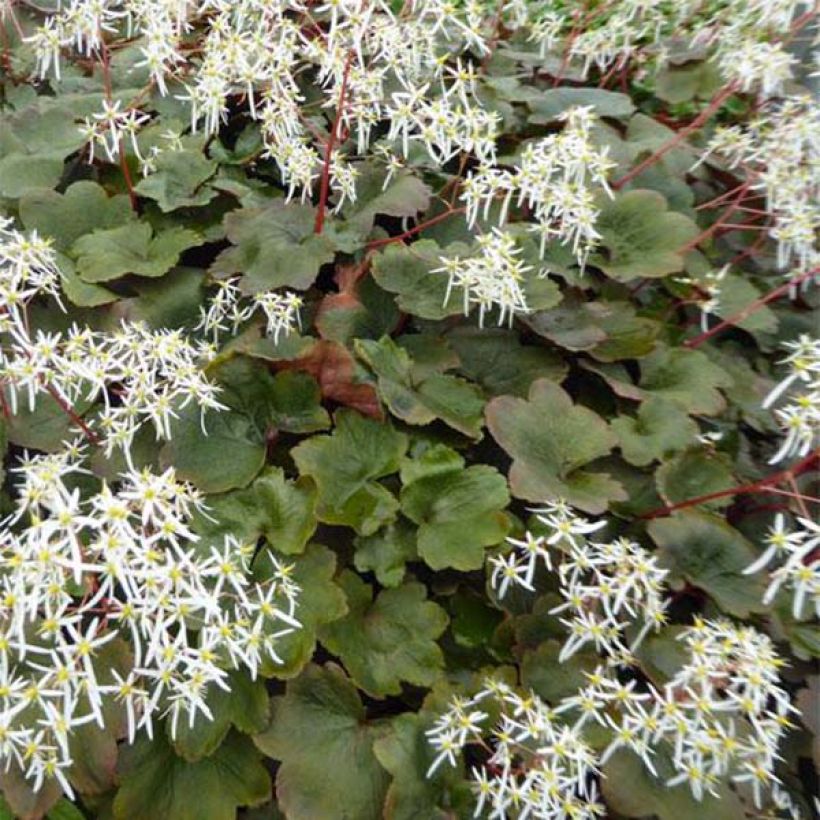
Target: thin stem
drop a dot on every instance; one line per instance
(718, 223)
(324, 190)
(378, 243)
(698, 122)
(755, 487)
(70, 412)
(109, 96)
(751, 308)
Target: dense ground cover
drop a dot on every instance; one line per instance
(409, 410)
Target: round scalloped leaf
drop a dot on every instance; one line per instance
(702, 549)
(640, 236)
(156, 783)
(459, 511)
(660, 428)
(83, 208)
(632, 791)
(320, 734)
(550, 439)
(389, 640)
(421, 400)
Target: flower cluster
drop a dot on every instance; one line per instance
(743, 37)
(725, 710)
(722, 715)
(797, 555)
(556, 180)
(120, 571)
(140, 375)
(800, 416)
(780, 154)
(228, 309)
(110, 127)
(605, 586)
(535, 765)
(492, 278)
(709, 288)
(369, 63)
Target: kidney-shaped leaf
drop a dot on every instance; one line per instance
(389, 640)
(550, 439)
(325, 744)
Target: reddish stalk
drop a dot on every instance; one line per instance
(744, 489)
(750, 309)
(378, 243)
(69, 411)
(698, 122)
(324, 190)
(109, 96)
(720, 222)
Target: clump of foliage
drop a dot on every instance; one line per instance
(409, 409)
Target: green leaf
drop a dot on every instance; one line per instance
(82, 293)
(389, 640)
(632, 791)
(660, 428)
(274, 247)
(245, 706)
(421, 400)
(21, 173)
(84, 207)
(320, 733)
(156, 783)
(459, 512)
(386, 552)
(281, 510)
(704, 550)
(295, 403)
(693, 473)
(62, 810)
(108, 254)
(172, 301)
(321, 601)
(608, 330)
(406, 195)
(736, 294)
(550, 439)
(406, 271)
(547, 105)
(685, 377)
(359, 451)
(640, 237)
(179, 180)
(239, 431)
(46, 428)
(405, 751)
(498, 361)
(682, 83)
(46, 127)
(645, 135)
(368, 509)
(552, 679)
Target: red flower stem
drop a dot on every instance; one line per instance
(378, 243)
(69, 411)
(713, 203)
(109, 96)
(744, 489)
(750, 308)
(324, 190)
(718, 223)
(698, 122)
